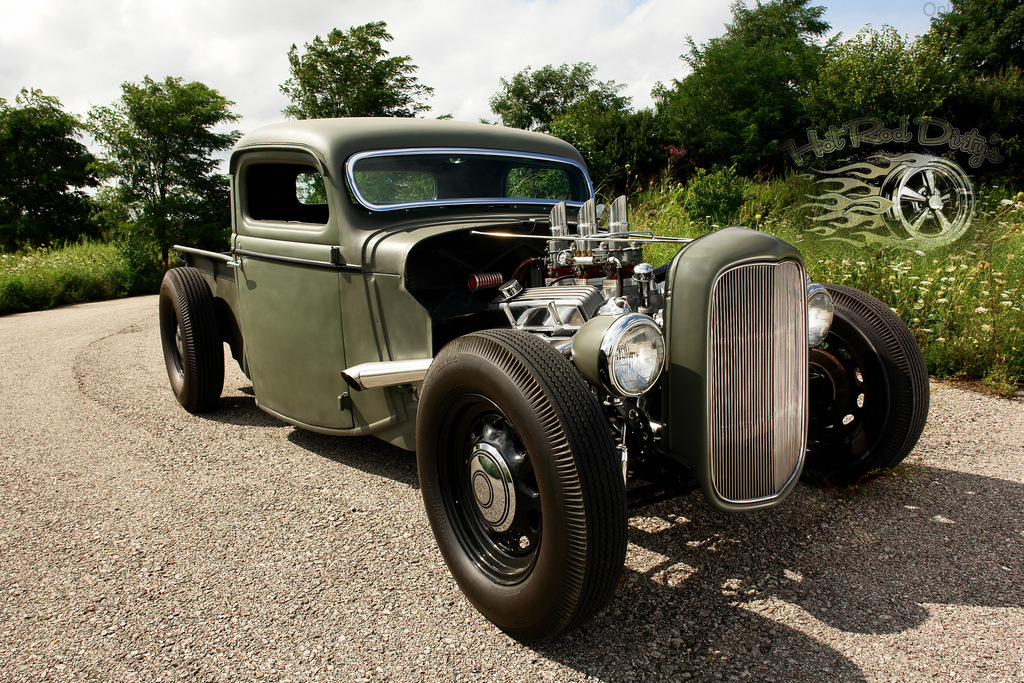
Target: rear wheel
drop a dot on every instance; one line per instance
(521, 483)
(193, 350)
(869, 392)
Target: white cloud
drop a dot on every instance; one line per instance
(82, 51)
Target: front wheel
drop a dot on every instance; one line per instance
(521, 483)
(869, 392)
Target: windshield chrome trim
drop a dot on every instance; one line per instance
(410, 151)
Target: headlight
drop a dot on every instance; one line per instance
(819, 313)
(624, 355)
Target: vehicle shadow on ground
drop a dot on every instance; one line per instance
(240, 411)
(366, 453)
(755, 595)
(864, 562)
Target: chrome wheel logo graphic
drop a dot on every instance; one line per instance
(922, 198)
(920, 201)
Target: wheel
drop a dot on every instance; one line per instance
(193, 350)
(932, 201)
(521, 483)
(868, 392)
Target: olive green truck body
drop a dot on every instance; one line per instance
(455, 290)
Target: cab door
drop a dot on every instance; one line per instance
(289, 279)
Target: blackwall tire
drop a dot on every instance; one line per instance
(193, 350)
(869, 392)
(521, 482)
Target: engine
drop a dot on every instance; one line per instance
(590, 273)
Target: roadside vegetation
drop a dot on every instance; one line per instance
(725, 142)
(44, 277)
(964, 302)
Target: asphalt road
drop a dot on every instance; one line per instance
(141, 543)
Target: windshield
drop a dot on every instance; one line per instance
(399, 179)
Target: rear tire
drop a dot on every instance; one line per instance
(869, 392)
(521, 483)
(193, 350)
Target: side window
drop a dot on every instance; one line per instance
(288, 193)
(538, 183)
(310, 190)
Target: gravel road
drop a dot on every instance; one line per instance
(141, 543)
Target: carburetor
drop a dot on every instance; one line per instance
(593, 257)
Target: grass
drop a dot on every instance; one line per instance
(963, 302)
(46, 277)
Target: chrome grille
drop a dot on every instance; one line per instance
(757, 380)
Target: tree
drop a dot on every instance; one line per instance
(743, 96)
(44, 171)
(159, 140)
(616, 143)
(983, 41)
(533, 99)
(351, 74)
(983, 37)
(880, 74)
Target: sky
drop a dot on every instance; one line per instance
(82, 50)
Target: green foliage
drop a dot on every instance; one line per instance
(881, 74)
(351, 74)
(45, 277)
(159, 140)
(964, 303)
(617, 144)
(533, 99)
(743, 96)
(44, 170)
(994, 104)
(714, 199)
(983, 37)
(394, 187)
(539, 183)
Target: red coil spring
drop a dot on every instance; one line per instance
(485, 281)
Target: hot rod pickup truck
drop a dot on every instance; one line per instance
(454, 289)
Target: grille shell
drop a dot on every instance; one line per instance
(757, 380)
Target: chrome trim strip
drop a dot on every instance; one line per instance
(379, 374)
(216, 256)
(299, 261)
(355, 158)
(593, 237)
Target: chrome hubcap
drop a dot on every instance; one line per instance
(492, 486)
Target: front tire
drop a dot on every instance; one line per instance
(521, 483)
(869, 392)
(193, 350)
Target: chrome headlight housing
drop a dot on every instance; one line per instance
(819, 313)
(623, 354)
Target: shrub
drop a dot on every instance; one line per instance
(46, 277)
(714, 198)
(964, 303)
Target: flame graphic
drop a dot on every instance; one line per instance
(851, 206)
